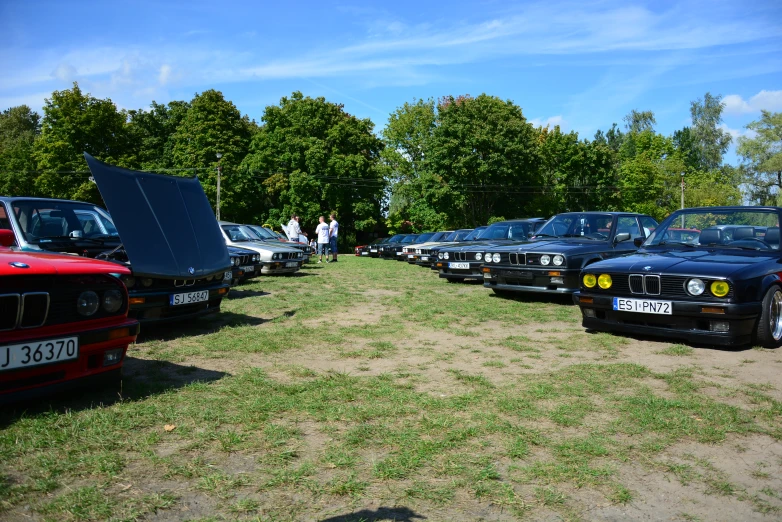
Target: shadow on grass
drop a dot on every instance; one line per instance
(140, 378)
(238, 293)
(397, 514)
(202, 326)
(673, 339)
(524, 297)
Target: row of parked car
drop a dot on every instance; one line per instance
(76, 280)
(705, 275)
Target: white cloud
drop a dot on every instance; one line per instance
(764, 100)
(65, 72)
(165, 74)
(551, 121)
(737, 133)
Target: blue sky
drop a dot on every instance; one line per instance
(582, 65)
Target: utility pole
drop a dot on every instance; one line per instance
(220, 175)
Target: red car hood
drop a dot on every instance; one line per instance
(31, 263)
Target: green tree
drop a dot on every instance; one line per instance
(484, 154)
(213, 125)
(75, 122)
(762, 155)
(639, 121)
(19, 128)
(710, 141)
(314, 158)
(152, 132)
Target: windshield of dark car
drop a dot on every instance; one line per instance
(476, 234)
(506, 231)
(409, 239)
(238, 234)
(262, 232)
(423, 238)
(438, 236)
(745, 228)
(590, 225)
(39, 220)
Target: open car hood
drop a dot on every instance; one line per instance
(165, 222)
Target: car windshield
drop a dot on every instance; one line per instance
(423, 238)
(410, 239)
(48, 220)
(476, 234)
(438, 236)
(745, 228)
(239, 234)
(507, 231)
(397, 238)
(587, 225)
(262, 232)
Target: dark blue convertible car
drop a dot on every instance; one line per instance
(705, 275)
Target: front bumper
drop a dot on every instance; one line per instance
(535, 280)
(474, 272)
(687, 322)
(155, 305)
(279, 267)
(28, 383)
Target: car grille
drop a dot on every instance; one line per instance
(243, 259)
(47, 301)
(655, 285)
(517, 259)
(290, 255)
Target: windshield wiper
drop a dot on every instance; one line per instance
(71, 238)
(580, 236)
(544, 235)
(661, 243)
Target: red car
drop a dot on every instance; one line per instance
(63, 321)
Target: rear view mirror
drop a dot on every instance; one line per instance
(638, 241)
(621, 236)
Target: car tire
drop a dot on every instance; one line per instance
(769, 330)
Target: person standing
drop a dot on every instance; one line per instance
(333, 232)
(322, 230)
(294, 230)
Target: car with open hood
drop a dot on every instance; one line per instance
(276, 259)
(565, 244)
(160, 227)
(464, 261)
(705, 275)
(63, 321)
(264, 234)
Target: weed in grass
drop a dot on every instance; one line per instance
(439, 495)
(620, 494)
(244, 506)
(222, 485)
(346, 485)
(494, 364)
(550, 496)
(716, 486)
(677, 350)
(474, 380)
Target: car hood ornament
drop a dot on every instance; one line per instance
(647, 268)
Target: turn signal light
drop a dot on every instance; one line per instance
(119, 332)
(486, 270)
(555, 273)
(222, 291)
(587, 300)
(137, 300)
(712, 310)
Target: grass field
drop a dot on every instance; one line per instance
(372, 390)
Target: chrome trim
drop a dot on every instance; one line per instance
(18, 311)
(659, 284)
(521, 259)
(45, 315)
(630, 284)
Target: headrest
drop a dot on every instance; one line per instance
(743, 233)
(772, 236)
(711, 236)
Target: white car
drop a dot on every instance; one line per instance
(274, 259)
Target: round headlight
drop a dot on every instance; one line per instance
(146, 282)
(445, 255)
(439, 255)
(256, 258)
(237, 261)
(604, 281)
(129, 280)
(495, 258)
(558, 260)
(112, 300)
(478, 256)
(87, 303)
(590, 280)
(720, 288)
(545, 259)
(696, 286)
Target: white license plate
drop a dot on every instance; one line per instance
(425, 258)
(35, 353)
(189, 298)
(364, 253)
(248, 268)
(291, 264)
(228, 275)
(461, 266)
(409, 256)
(644, 306)
(399, 253)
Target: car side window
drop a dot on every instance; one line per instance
(648, 225)
(4, 221)
(628, 224)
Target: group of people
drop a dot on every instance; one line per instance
(327, 236)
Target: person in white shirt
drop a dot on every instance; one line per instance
(322, 230)
(294, 230)
(333, 232)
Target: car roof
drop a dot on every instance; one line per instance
(734, 207)
(25, 198)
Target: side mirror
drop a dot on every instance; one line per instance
(638, 241)
(621, 236)
(7, 238)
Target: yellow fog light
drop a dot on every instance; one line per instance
(604, 281)
(720, 288)
(590, 280)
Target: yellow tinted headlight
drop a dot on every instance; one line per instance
(720, 288)
(590, 280)
(604, 281)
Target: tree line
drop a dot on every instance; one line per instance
(458, 161)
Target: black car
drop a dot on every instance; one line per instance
(565, 244)
(389, 243)
(705, 275)
(245, 264)
(393, 250)
(459, 237)
(373, 249)
(161, 227)
(412, 252)
(464, 261)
